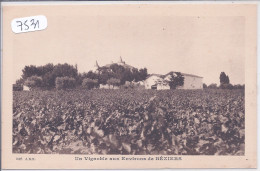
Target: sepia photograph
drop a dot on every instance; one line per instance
(134, 80)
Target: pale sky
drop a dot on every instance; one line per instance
(161, 42)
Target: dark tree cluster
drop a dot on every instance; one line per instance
(224, 83)
(45, 77)
(121, 73)
(224, 79)
(115, 75)
(63, 76)
(65, 83)
(89, 83)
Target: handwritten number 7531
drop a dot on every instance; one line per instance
(26, 26)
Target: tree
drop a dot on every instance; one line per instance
(65, 70)
(65, 83)
(20, 81)
(117, 69)
(104, 77)
(49, 73)
(17, 87)
(136, 75)
(33, 82)
(113, 82)
(205, 85)
(238, 86)
(176, 79)
(143, 74)
(139, 75)
(91, 75)
(105, 74)
(121, 73)
(49, 80)
(29, 71)
(89, 83)
(224, 79)
(127, 76)
(226, 86)
(45, 69)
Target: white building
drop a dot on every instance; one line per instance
(156, 81)
(26, 88)
(192, 82)
(160, 82)
(106, 86)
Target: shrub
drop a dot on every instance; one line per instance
(213, 86)
(226, 86)
(113, 82)
(89, 83)
(205, 85)
(49, 73)
(128, 85)
(17, 87)
(65, 83)
(238, 86)
(33, 82)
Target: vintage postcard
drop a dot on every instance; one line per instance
(129, 85)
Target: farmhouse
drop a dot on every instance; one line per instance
(160, 82)
(157, 81)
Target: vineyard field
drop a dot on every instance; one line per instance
(128, 121)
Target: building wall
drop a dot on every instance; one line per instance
(163, 87)
(25, 88)
(151, 81)
(106, 86)
(191, 82)
(148, 83)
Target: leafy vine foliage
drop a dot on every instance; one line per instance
(126, 121)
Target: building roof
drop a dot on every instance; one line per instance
(158, 75)
(121, 63)
(191, 75)
(184, 74)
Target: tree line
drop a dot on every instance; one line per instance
(65, 76)
(224, 83)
